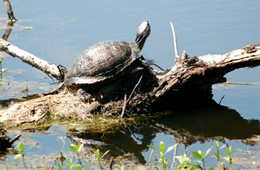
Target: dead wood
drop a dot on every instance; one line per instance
(6, 141)
(48, 68)
(187, 81)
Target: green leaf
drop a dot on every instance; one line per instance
(211, 168)
(97, 154)
(60, 166)
(184, 160)
(79, 147)
(171, 148)
(196, 155)
(182, 166)
(162, 147)
(20, 147)
(18, 156)
(79, 167)
(208, 151)
(152, 147)
(163, 159)
(216, 144)
(73, 148)
(190, 168)
(89, 166)
(196, 166)
(69, 165)
(228, 150)
(216, 154)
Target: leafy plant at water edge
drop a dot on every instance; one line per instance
(229, 158)
(76, 149)
(201, 156)
(185, 162)
(20, 147)
(162, 159)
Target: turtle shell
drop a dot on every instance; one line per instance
(101, 62)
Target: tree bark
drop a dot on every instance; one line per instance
(187, 81)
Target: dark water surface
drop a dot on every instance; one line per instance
(61, 30)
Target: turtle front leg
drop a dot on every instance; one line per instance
(83, 95)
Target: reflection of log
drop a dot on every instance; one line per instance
(9, 10)
(185, 125)
(186, 82)
(8, 29)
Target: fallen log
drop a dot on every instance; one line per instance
(187, 81)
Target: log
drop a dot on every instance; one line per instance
(187, 81)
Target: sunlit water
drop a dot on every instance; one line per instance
(62, 30)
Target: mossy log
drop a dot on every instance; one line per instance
(187, 81)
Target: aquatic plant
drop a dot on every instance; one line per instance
(20, 154)
(196, 160)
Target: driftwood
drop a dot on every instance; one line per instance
(141, 91)
(187, 81)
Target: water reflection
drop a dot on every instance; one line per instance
(187, 127)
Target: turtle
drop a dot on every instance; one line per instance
(107, 60)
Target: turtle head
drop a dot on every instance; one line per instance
(142, 33)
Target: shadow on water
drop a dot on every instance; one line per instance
(187, 127)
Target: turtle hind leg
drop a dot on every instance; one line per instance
(83, 95)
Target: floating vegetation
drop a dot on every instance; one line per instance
(28, 28)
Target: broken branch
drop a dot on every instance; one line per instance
(48, 68)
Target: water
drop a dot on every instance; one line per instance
(62, 30)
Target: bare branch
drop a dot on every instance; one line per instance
(46, 67)
(175, 42)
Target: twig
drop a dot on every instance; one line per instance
(174, 42)
(111, 163)
(124, 105)
(221, 99)
(126, 101)
(9, 10)
(14, 139)
(184, 149)
(150, 157)
(174, 156)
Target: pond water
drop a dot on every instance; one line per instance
(62, 30)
